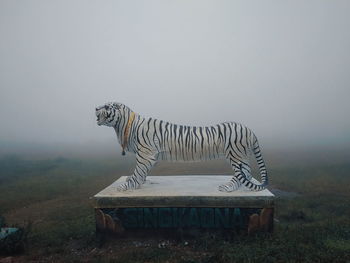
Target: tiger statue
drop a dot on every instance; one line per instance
(152, 140)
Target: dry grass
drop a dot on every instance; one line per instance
(54, 196)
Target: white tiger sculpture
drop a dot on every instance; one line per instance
(152, 140)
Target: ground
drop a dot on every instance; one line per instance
(52, 197)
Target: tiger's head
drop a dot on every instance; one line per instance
(108, 114)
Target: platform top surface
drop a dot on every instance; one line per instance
(183, 185)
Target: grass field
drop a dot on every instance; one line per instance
(313, 222)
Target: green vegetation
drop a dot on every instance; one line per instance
(52, 195)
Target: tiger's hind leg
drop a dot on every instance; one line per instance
(231, 186)
(238, 168)
(246, 170)
(144, 163)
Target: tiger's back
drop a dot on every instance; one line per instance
(183, 143)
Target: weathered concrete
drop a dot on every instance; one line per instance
(182, 191)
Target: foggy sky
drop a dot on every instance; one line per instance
(280, 67)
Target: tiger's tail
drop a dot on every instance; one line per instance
(262, 168)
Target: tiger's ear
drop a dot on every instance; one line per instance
(116, 105)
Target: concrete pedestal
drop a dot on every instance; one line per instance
(182, 202)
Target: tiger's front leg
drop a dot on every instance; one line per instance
(144, 163)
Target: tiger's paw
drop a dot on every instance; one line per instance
(129, 185)
(123, 187)
(228, 187)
